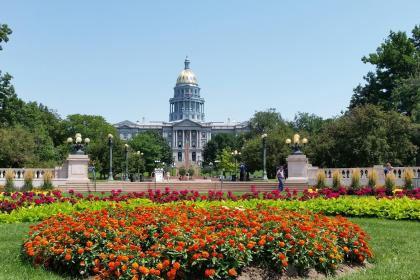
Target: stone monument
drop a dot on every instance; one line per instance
(297, 164)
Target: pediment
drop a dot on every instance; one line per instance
(125, 123)
(187, 123)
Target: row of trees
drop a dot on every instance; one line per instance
(381, 124)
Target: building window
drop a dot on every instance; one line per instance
(179, 156)
(203, 134)
(179, 144)
(193, 144)
(194, 156)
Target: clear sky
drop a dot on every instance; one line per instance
(120, 59)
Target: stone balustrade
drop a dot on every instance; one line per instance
(19, 173)
(346, 174)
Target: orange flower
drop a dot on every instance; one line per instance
(209, 272)
(67, 257)
(177, 265)
(80, 251)
(232, 272)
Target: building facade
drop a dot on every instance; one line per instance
(186, 132)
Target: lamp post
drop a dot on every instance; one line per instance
(211, 169)
(110, 176)
(78, 148)
(263, 137)
(297, 144)
(235, 153)
(126, 161)
(139, 154)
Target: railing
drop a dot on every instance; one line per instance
(19, 173)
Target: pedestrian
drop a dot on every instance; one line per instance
(280, 177)
(388, 168)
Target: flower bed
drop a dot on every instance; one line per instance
(187, 242)
(12, 201)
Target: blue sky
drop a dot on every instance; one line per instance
(120, 59)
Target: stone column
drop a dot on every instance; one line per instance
(77, 168)
(297, 166)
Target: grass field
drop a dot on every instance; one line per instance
(396, 245)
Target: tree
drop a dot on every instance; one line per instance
(364, 136)
(219, 142)
(154, 148)
(397, 59)
(226, 161)
(406, 97)
(310, 123)
(264, 121)
(96, 128)
(5, 31)
(17, 154)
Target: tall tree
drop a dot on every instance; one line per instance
(364, 136)
(219, 142)
(310, 123)
(154, 148)
(264, 121)
(396, 59)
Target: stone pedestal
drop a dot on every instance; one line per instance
(77, 168)
(158, 175)
(297, 166)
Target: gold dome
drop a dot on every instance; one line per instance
(187, 76)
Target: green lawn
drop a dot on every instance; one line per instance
(396, 245)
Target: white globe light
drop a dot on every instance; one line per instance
(69, 140)
(87, 140)
(110, 136)
(304, 141)
(78, 139)
(78, 135)
(288, 141)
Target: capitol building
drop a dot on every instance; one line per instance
(187, 131)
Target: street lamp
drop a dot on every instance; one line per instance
(297, 144)
(110, 176)
(78, 148)
(263, 137)
(235, 153)
(126, 161)
(139, 154)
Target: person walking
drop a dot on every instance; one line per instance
(280, 177)
(388, 168)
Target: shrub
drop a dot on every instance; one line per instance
(372, 178)
(389, 182)
(188, 242)
(408, 176)
(336, 180)
(47, 184)
(355, 179)
(28, 179)
(10, 181)
(182, 171)
(191, 171)
(320, 179)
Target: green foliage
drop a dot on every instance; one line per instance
(349, 206)
(364, 136)
(96, 128)
(336, 180)
(39, 213)
(219, 142)
(182, 171)
(264, 121)
(309, 123)
(153, 146)
(191, 171)
(396, 59)
(226, 160)
(5, 31)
